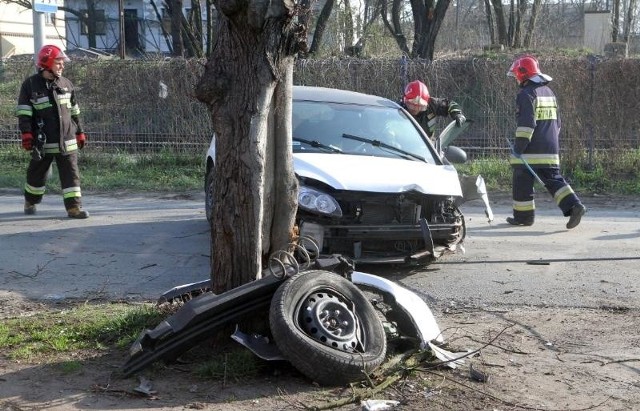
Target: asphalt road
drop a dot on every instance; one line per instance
(134, 247)
(594, 265)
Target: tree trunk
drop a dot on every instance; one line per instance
(512, 23)
(211, 21)
(321, 25)
(628, 21)
(91, 24)
(394, 26)
(191, 37)
(434, 24)
(528, 37)
(427, 19)
(614, 22)
(492, 29)
(501, 25)
(165, 35)
(176, 28)
(192, 25)
(371, 13)
(348, 29)
(247, 87)
(517, 33)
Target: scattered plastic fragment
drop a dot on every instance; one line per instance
(145, 387)
(379, 405)
(478, 375)
(453, 359)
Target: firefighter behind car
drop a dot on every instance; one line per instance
(47, 109)
(425, 109)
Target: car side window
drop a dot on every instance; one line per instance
(310, 121)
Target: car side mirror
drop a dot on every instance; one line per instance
(455, 155)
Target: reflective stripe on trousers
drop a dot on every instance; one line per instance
(556, 185)
(69, 179)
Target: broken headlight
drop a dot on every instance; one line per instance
(316, 201)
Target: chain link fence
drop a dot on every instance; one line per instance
(142, 106)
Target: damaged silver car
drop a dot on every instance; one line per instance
(373, 187)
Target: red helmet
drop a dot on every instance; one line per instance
(526, 68)
(417, 94)
(48, 54)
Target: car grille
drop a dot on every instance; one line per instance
(375, 209)
(383, 226)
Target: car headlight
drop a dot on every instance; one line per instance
(318, 202)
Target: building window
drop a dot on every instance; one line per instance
(166, 20)
(100, 23)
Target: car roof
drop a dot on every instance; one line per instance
(334, 95)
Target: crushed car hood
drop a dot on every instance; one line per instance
(383, 175)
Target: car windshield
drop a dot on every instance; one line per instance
(323, 127)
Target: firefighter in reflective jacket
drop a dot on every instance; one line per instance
(537, 144)
(425, 109)
(48, 118)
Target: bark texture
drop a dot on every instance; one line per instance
(247, 86)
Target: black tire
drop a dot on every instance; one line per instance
(326, 354)
(208, 193)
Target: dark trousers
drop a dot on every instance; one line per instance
(69, 179)
(523, 191)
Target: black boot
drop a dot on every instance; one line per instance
(515, 221)
(575, 215)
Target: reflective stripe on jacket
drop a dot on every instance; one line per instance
(538, 126)
(54, 103)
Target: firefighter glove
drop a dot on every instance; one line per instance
(460, 119)
(81, 138)
(27, 141)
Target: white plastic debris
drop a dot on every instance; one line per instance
(418, 311)
(379, 405)
(145, 387)
(453, 359)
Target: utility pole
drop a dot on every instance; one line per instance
(38, 27)
(39, 8)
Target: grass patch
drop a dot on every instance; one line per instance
(237, 364)
(96, 327)
(178, 172)
(496, 172)
(154, 172)
(621, 176)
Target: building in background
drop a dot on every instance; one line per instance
(147, 26)
(16, 30)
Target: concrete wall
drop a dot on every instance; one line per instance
(16, 30)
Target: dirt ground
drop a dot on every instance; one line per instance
(578, 349)
(572, 372)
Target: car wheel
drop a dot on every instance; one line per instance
(208, 193)
(327, 328)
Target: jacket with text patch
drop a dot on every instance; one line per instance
(53, 103)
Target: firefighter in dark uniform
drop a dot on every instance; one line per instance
(48, 118)
(425, 109)
(537, 143)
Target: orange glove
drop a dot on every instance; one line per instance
(27, 141)
(81, 138)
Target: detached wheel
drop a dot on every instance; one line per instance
(326, 327)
